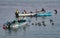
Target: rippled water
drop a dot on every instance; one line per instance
(7, 10)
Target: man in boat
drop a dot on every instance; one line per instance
(21, 20)
(25, 12)
(16, 13)
(31, 12)
(8, 25)
(43, 10)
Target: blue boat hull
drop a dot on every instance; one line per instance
(44, 14)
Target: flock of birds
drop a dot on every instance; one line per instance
(43, 23)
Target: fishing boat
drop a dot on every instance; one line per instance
(37, 14)
(15, 24)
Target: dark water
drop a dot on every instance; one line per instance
(7, 10)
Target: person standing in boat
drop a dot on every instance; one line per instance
(25, 12)
(43, 10)
(17, 13)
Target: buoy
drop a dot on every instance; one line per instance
(44, 24)
(55, 11)
(32, 23)
(51, 20)
(52, 23)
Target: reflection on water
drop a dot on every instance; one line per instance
(13, 33)
(17, 29)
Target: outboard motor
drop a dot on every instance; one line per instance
(4, 27)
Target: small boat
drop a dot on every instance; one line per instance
(36, 14)
(15, 24)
